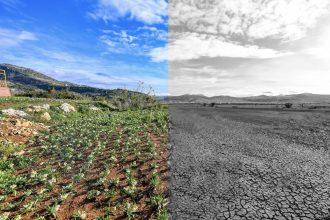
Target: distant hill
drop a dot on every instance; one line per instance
(204, 99)
(21, 79)
(296, 98)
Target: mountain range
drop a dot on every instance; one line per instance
(294, 98)
(21, 79)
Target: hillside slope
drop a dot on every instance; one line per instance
(21, 79)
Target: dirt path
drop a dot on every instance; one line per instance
(226, 165)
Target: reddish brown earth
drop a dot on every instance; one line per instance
(78, 200)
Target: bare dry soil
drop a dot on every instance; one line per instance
(249, 164)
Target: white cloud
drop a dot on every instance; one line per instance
(152, 33)
(285, 20)
(193, 46)
(121, 42)
(10, 37)
(139, 42)
(120, 36)
(159, 54)
(149, 12)
(25, 35)
(123, 45)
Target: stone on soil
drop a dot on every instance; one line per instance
(14, 113)
(45, 116)
(67, 107)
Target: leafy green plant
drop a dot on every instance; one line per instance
(110, 193)
(68, 187)
(30, 206)
(17, 217)
(158, 201)
(163, 214)
(92, 194)
(52, 209)
(114, 182)
(155, 180)
(78, 214)
(129, 210)
(130, 190)
(62, 197)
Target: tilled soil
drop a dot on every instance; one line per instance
(96, 208)
(243, 164)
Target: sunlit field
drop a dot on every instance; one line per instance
(92, 163)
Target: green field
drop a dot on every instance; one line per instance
(88, 164)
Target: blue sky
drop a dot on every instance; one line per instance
(101, 43)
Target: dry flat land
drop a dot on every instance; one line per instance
(249, 164)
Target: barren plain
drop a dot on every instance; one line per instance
(232, 163)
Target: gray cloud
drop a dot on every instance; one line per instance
(248, 46)
(251, 19)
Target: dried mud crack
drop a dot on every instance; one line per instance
(230, 164)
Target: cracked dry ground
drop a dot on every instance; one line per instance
(248, 164)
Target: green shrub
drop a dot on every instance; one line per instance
(84, 109)
(141, 98)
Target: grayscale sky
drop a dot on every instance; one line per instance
(249, 47)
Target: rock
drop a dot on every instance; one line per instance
(38, 108)
(19, 153)
(45, 116)
(26, 124)
(67, 107)
(14, 113)
(93, 108)
(45, 106)
(20, 122)
(16, 122)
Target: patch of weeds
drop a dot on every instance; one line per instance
(78, 214)
(7, 148)
(129, 210)
(92, 194)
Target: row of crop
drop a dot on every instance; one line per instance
(70, 149)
